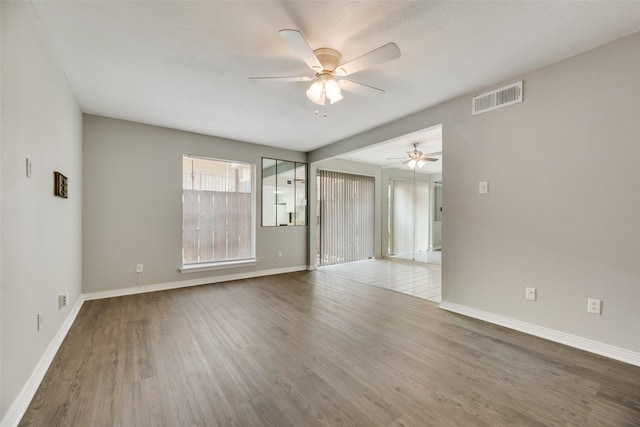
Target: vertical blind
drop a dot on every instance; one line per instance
(346, 211)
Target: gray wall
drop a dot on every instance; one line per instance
(133, 204)
(563, 208)
(41, 234)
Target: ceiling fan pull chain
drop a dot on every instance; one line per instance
(324, 111)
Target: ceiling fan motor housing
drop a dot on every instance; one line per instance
(329, 58)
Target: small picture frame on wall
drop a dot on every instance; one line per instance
(60, 185)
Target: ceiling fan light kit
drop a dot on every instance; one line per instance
(413, 163)
(325, 62)
(323, 88)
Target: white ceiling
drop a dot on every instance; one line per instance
(185, 64)
(387, 153)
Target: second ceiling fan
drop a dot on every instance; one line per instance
(325, 63)
(416, 157)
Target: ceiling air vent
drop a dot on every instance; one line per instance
(498, 98)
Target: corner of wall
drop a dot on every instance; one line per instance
(22, 401)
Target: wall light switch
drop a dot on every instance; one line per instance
(28, 168)
(483, 187)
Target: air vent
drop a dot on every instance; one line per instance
(498, 98)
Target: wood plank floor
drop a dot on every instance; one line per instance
(314, 349)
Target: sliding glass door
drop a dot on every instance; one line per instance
(346, 217)
(409, 218)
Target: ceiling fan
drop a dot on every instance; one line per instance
(416, 157)
(325, 63)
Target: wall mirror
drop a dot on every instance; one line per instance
(284, 193)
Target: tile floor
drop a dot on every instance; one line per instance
(419, 279)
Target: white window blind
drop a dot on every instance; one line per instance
(346, 207)
(410, 218)
(218, 211)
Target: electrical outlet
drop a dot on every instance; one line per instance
(139, 268)
(530, 294)
(63, 299)
(39, 320)
(594, 306)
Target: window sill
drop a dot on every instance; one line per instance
(195, 268)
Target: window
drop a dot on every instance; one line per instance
(284, 193)
(218, 212)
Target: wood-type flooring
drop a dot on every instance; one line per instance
(314, 349)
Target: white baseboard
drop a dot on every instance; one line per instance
(591, 346)
(20, 405)
(193, 282)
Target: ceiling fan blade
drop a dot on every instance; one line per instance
(435, 153)
(297, 41)
(396, 158)
(284, 79)
(377, 56)
(429, 159)
(359, 88)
